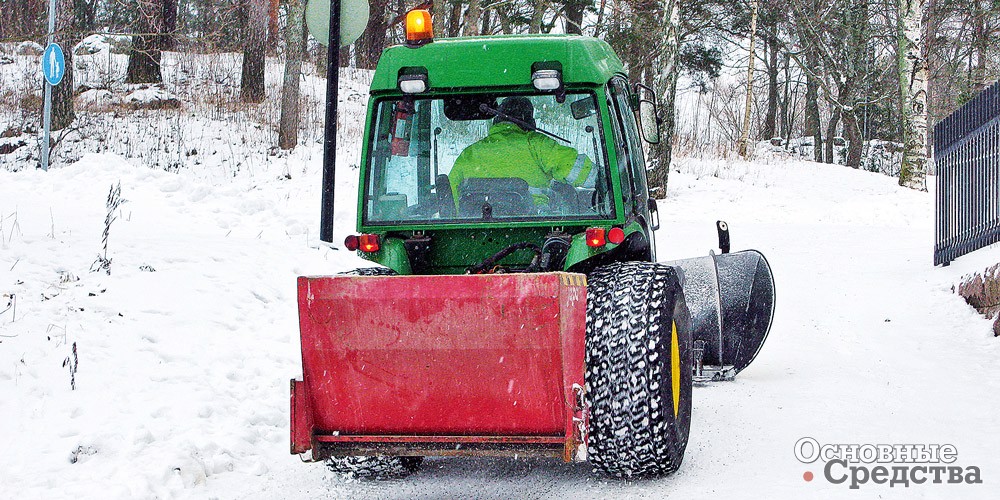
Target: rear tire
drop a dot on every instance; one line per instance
(374, 467)
(638, 372)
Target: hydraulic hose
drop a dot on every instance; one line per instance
(493, 259)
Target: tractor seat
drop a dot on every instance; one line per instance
(506, 196)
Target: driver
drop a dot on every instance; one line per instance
(509, 150)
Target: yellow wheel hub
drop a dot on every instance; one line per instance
(675, 368)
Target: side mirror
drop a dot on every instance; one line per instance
(649, 120)
(583, 107)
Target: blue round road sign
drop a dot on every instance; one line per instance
(53, 64)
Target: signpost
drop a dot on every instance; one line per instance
(53, 64)
(324, 19)
(53, 69)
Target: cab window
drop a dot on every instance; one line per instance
(486, 157)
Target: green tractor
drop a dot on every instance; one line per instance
(517, 308)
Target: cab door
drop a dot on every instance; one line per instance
(632, 162)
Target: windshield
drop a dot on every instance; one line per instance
(473, 158)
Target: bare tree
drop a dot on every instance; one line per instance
(295, 42)
(836, 40)
(769, 20)
(472, 17)
(537, 15)
(255, 18)
(812, 125)
(374, 40)
(67, 36)
(573, 12)
(21, 19)
(144, 59)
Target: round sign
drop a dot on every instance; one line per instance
(353, 20)
(53, 64)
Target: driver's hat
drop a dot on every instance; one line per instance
(517, 107)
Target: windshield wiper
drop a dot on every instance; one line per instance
(525, 125)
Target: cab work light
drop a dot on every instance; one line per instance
(413, 84)
(546, 79)
(418, 27)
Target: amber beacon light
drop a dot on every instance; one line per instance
(418, 27)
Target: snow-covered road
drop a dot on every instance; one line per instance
(183, 372)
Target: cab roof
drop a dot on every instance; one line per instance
(498, 61)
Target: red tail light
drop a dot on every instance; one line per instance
(351, 243)
(595, 237)
(368, 243)
(616, 235)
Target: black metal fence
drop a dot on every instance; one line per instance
(967, 158)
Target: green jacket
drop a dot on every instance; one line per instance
(509, 151)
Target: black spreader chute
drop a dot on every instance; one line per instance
(731, 300)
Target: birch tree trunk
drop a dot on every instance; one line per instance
(744, 138)
(913, 93)
(486, 22)
(785, 131)
(666, 86)
(288, 124)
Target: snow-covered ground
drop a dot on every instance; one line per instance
(185, 350)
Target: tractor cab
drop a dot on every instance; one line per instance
(524, 158)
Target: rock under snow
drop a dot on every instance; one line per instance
(152, 97)
(98, 99)
(29, 48)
